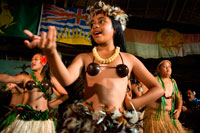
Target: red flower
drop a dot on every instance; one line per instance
(43, 60)
(20, 108)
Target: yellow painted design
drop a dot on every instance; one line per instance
(6, 19)
(169, 39)
(75, 39)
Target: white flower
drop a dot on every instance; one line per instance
(118, 14)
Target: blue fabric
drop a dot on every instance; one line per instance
(196, 100)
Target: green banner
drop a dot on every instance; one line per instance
(17, 15)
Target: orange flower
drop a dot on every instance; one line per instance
(43, 60)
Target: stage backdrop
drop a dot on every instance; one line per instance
(72, 29)
(17, 15)
(69, 22)
(165, 43)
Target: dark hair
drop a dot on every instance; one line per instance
(118, 36)
(46, 71)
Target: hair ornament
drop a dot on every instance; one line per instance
(111, 11)
(43, 60)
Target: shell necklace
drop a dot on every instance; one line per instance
(108, 60)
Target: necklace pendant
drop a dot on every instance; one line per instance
(108, 60)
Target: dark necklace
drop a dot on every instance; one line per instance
(40, 86)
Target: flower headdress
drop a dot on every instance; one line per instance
(111, 11)
(158, 66)
(43, 60)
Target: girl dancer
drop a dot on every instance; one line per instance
(106, 72)
(35, 116)
(162, 115)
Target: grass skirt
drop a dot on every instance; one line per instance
(24, 119)
(163, 125)
(30, 126)
(79, 118)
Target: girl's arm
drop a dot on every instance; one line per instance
(178, 104)
(66, 76)
(61, 93)
(155, 90)
(12, 79)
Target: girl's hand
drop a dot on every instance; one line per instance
(46, 42)
(11, 85)
(184, 108)
(176, 113)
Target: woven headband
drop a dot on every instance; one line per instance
(111, 11)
